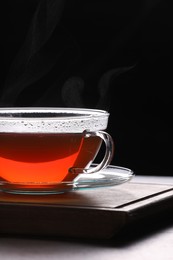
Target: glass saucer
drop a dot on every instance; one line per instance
(110, 176)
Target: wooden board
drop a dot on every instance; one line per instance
(94, 213)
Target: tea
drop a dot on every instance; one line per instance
(44, 158)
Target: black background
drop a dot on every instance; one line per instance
(113, 55)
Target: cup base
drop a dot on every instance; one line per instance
(110, 176)
(35, 189)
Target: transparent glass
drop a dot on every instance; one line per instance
(47, 150)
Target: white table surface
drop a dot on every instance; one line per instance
(153, 245)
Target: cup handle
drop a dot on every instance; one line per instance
(109, 151)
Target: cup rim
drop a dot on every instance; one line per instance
(68, 111)
(61, 119)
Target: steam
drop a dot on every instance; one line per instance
(41, 72)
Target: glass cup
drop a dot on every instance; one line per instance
(42, 150)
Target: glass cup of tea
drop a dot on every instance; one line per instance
(43, 150)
